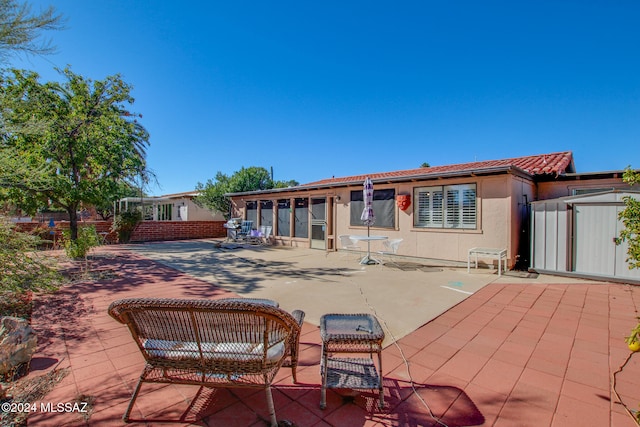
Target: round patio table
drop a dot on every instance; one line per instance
(368, 259)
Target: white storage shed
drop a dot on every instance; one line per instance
(577, 235)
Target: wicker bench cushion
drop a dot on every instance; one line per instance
(227, 350)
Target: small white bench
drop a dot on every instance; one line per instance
(498, 254)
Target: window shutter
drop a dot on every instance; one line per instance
(469, 207)
(437, 214)
(452, 206)
(423, 208)
(452, 212)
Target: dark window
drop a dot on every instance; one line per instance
(266, 212)
(252, 213)
(301, 228)
(284, 217)
(383, 208)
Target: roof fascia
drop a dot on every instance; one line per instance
(495, 170)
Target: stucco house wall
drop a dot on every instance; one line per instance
(499, 205)
(196, 213)
(504, 190)
(171, 207)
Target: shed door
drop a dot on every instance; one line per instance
(595, 251)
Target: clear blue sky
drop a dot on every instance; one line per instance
(336, 88)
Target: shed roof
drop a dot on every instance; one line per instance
(605, 197)
(615, 196)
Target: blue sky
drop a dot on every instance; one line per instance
(335, 88)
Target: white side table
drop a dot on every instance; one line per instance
(350, 333)
(488, 253)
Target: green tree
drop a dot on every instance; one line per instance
(78, 133)
(630, 217)
(212, 193)
(105, 208)
(21, 30)
(425, 165)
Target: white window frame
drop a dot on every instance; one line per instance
(446, 206)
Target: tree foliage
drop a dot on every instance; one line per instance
(21, 30)
(79, 135)
(212, 193)
(105, 208)
(630, 217)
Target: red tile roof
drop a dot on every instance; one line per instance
(543, 164)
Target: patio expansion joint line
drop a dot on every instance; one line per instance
(404, 358)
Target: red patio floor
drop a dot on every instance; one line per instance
(509, 355)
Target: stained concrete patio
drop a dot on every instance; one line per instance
(469, 349)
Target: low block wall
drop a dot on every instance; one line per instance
(45, 230)
(146, 231)
(150, 231)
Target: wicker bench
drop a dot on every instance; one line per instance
(213, 343)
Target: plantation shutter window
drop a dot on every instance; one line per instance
(452, 212)
(428, 207)
(452, 206)
(469, 208)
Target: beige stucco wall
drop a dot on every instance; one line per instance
(497, 226)
(501, 208)
(447, 244)
(184, 209)
(196, 213)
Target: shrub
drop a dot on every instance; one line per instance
(124, 223)
(79, 248)
(22, 268)
(17, 304)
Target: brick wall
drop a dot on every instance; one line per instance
(147, 231)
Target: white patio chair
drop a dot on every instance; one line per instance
(388, 254)
(348, 244)
(265, 234)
